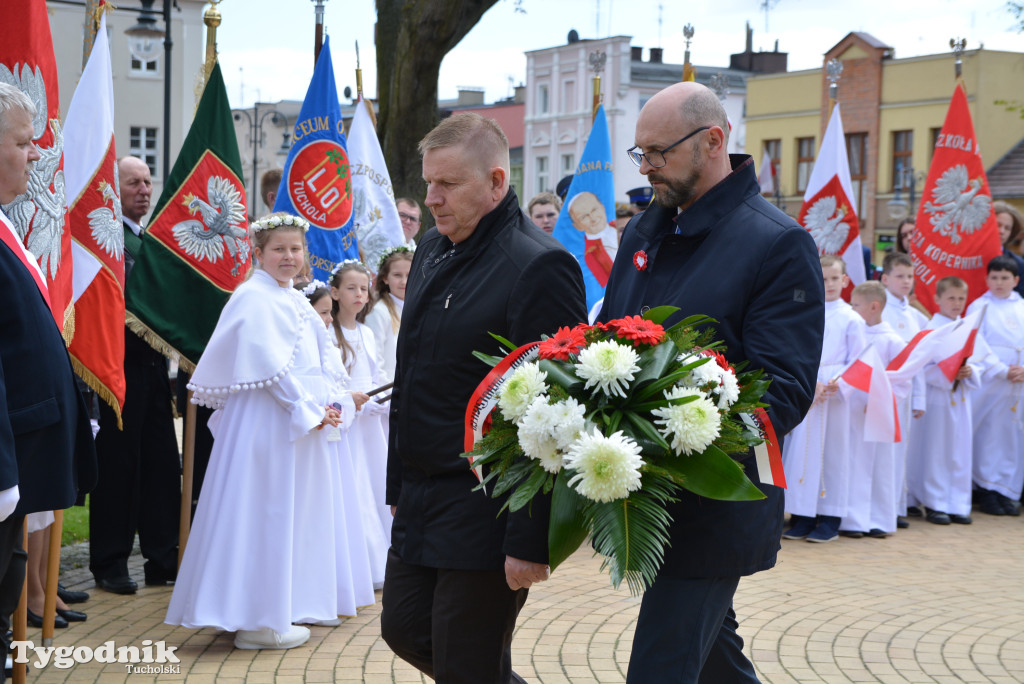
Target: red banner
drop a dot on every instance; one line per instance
(27, 63)
(955, 231)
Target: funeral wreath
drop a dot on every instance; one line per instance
(612, 420)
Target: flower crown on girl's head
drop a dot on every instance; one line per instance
(398, 249)
(346, 262)
(313, 287)
(277, 221)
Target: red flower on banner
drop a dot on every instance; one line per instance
(564, 343)
(637, 329)
(640, 260)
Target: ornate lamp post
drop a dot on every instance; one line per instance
(142, 42)
(257, 138)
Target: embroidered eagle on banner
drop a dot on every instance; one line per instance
(221, 224)
(958, 208)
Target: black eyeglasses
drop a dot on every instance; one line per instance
(656, 158)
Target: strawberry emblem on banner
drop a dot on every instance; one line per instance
(956, 232)
(27, 62)
(829, 211)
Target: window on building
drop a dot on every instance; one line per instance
(568, 164)
(774, 150)
(935, 139)
(804, 162)
(569, 96)
(857, 152)
(142, 144)
(543, 182)
(140, 67)
(902, 158)
(543, 99)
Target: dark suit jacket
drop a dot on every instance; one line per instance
(507, 278)
(46, 445)
(741, 261)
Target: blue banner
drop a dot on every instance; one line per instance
(317, 183)
(586, 224)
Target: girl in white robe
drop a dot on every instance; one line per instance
(261, 554)
(385, 316)
(367, 442)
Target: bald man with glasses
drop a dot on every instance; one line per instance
(710, 244)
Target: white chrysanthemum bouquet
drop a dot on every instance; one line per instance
(612, 420)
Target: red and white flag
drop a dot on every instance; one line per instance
(881, 419)
(829, 211)
(27, 62)
(766, 176)
(956, 232)
(94, 218)
(953, 353)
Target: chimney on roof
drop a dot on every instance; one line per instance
(656, 55)
(636, 53)
(470, 96)
(750, 39)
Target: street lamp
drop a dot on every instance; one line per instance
(906, 177)
(142, 42)
(257, 138)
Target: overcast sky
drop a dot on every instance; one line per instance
(266, 46)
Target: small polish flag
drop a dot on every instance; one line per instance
(867, 374)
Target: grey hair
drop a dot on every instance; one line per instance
(12, 98)
(703, 108)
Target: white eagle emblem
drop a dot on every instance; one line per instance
(105, 224)
(827, 226)
(39, 212)
(221, 224)
(957, 204)
(367, 219)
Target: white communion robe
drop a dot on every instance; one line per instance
(996, 406)
(942, 439)
(816, 453)
(906, 321)
(369, 447)
(385, 332)
(261, 553)
(873, 497)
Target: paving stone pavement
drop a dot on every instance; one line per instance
(933, 604)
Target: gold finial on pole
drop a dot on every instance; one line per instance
(94, 10)
(359, 90)
(689, 73)
(212, 20)
(833, 69)
(597, 61)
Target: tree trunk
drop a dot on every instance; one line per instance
(413, 37)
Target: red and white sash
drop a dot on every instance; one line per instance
(9, 236)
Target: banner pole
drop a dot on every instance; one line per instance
(187, 466)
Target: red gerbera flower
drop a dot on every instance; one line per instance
(637, 329)
(722, 362)
(562, 344)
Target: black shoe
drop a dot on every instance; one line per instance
(68, 596)
(1009, 505)
(852, 534)
(901, 523)
(37, 620)
(72, 615)
(800, 527)
(914, 512)
(876, 533)
(988, 502)
(937, 517)
(960, 519)
(158, 582)
(118, 585)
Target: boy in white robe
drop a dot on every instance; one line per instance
(942, 443)
(816, 454)
(874, 494)
(998, 413)
(906, 321)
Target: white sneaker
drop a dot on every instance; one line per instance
(268, 638)
(333, 622)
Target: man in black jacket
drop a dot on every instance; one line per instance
(457, 572)
(46, 450)
(712, 245)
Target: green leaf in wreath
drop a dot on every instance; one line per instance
(527, 490)
(505, 343)
(567, 528)
(712, 474)
(560, 373)
(490, 360)
(659, 314)
(654, 362)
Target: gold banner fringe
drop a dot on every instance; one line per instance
(157, 342)
(97, 385)
(68, 332)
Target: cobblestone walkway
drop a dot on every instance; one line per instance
(933, 604)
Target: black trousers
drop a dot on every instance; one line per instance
(453, 625)
(12, 577)
(686, 634)
(139, 480)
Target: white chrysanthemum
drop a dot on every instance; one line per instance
(525, 385)
(728, 389)
(689, 427)
(541, 447)
(607, 468)
(569, 422)
(702, 374)
(608, 365)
